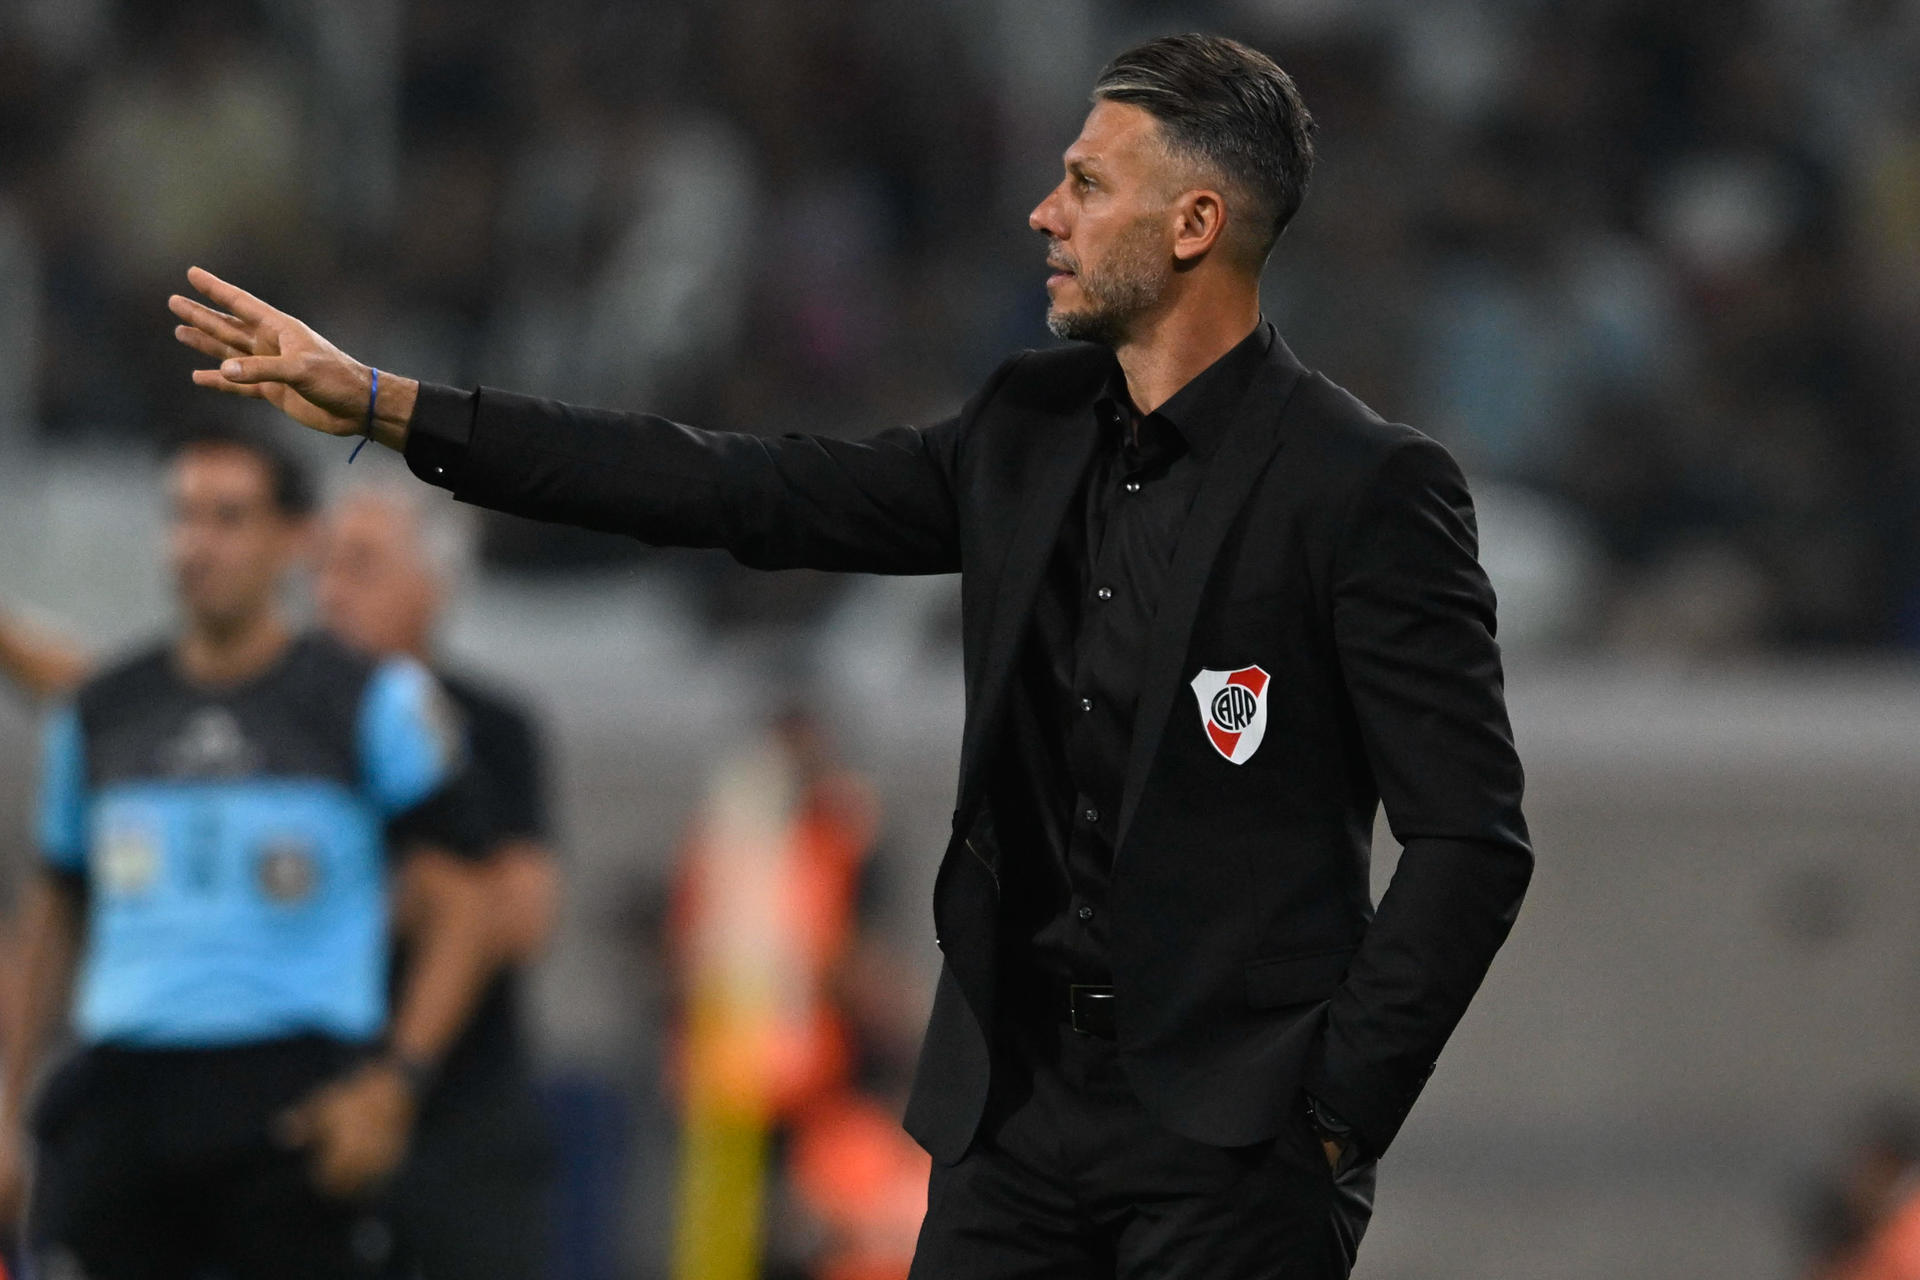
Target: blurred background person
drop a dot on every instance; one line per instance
(473, 1198)
(790, 1062)
(1865, 1222)
(216, 823)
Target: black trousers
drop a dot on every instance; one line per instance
(159, 1165)
(475, 1197)
(1071, 1179)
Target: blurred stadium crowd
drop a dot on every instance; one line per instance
(1657, 264)
(1651, 269)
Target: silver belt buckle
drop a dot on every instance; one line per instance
(1090, 993)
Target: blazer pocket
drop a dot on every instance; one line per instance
(1287, 980)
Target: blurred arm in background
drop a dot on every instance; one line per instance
(444, 914)
(41, 982)
(37, 661)
(358, 1126)
(522, 879)
(521, 872)
(519, 888)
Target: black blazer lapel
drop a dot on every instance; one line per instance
(1224, 489)
(1064, 443)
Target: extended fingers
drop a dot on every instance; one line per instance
(261, 368)
(232, 297)
(212, 379)
(215, 324)
(205, 344)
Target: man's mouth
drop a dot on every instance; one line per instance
(1061, 272)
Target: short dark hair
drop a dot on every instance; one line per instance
(1232, 108)
(290, 480)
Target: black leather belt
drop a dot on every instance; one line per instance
(1086, 1007)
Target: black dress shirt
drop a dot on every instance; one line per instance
(1056, 790)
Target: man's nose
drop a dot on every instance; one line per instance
(1042, 218)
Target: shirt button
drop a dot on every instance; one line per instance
(1086, 913)
(1133, 486)
(1105, 593)
(1086, 704)
(1091, 815)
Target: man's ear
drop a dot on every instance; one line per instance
(1200, 218)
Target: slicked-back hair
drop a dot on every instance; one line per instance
(1232, 109)
(291, 487)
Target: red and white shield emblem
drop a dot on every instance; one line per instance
(1233, 709)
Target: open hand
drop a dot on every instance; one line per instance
(355, 1128)
(269, 355)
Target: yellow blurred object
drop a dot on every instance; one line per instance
(723, 1162)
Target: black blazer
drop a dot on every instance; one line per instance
(1332, 549)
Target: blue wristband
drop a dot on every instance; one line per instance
(366, 432)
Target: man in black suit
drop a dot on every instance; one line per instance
(1215, 611)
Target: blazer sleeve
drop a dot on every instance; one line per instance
(885, 504)
(1413, 619)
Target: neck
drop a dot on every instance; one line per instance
(222, 655)
(1171, 346)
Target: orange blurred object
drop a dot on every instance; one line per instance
(1892, 1252)
(865, 1181)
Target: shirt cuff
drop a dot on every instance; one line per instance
(439, 433)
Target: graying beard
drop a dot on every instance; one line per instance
(1122, 291)
(1101, 326)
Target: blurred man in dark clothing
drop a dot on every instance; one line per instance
(471, 1201)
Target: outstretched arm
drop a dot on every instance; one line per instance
(882, 505)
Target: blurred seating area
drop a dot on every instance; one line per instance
(1650, 269)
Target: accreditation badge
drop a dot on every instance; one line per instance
(288, 872)
(126, 860)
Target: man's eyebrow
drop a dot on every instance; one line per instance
(1086, 162)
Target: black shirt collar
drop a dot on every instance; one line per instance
(1202, 410)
